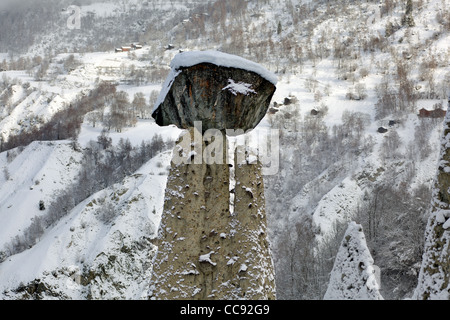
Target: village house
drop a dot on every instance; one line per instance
(436, 113)
(133, 46)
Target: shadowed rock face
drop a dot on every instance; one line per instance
(221, 97)
(434, 276)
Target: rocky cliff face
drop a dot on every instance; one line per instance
(206, 250)
(434, 277)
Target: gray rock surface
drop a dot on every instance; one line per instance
(221, 97)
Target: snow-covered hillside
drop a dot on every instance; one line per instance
(33, 174)
(117, 248)
(86, 236)
(345, 69)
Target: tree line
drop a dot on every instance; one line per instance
(66, 123)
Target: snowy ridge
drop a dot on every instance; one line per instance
(338, 205)
(433, 283)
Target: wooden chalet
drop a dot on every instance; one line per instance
(133, 46)
(436, 113)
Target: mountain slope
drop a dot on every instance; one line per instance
(101, 250)
(33, 174)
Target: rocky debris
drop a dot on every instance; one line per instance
(115, 274)
(222, 97)
(34, 290)
(382, 130)
(118, 273)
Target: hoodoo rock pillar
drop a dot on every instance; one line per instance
(212, 240)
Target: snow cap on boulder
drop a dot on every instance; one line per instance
(221, 90)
